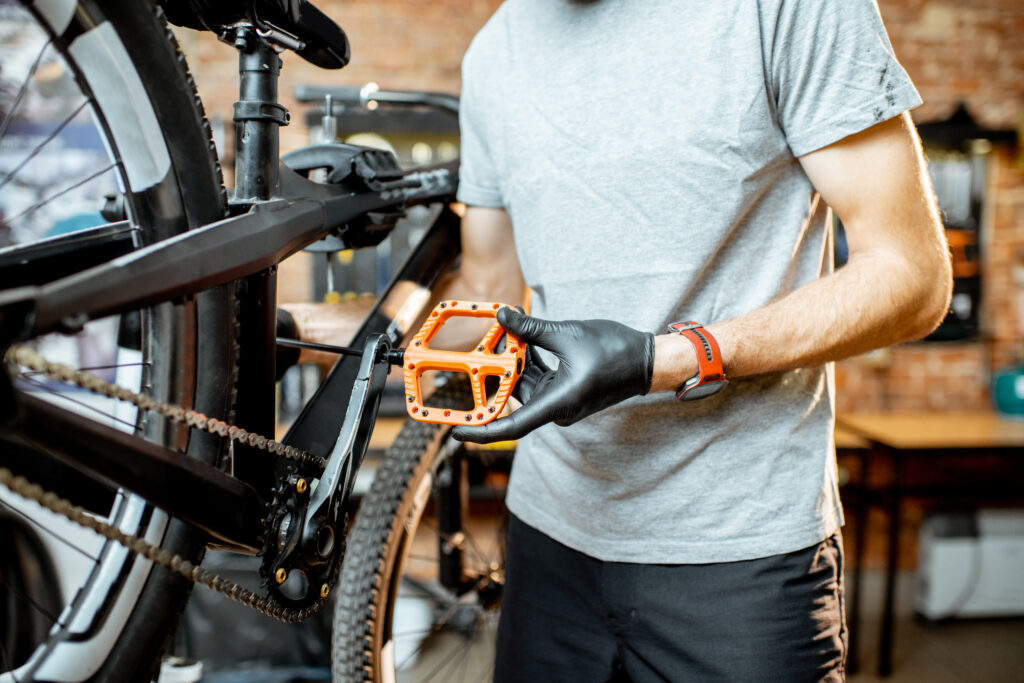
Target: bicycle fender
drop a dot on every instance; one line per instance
(486, 360)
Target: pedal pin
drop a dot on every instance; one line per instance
(301, 485)
(280, 575)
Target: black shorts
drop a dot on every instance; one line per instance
(566, 616)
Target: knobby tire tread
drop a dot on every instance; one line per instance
(365, 573)
(165, 595)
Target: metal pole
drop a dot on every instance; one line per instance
(257, 118)
(452, 538)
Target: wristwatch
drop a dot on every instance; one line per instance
(710, 376)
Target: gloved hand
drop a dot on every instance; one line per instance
(600, 363)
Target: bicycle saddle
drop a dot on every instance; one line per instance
(322, 42)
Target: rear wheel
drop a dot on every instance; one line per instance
(130, 79)
(421, 583)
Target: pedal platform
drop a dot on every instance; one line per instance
(486, 360)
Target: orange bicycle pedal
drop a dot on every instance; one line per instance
(482, 362)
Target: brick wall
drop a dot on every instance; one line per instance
(414, 44)
(960, 51)
(916, 377)
(955, 50)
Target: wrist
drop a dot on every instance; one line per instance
(674, 362)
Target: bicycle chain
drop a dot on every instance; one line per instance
(29, 358)
(265, 604)
(175, 563)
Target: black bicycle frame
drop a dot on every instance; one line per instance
(209, 256)
(279, 215)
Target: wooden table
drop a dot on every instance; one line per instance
(898, 437)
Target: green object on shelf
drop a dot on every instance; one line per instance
(1008, 392)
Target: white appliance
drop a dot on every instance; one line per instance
(971, 565)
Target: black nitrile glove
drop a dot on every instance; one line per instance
(600, 363)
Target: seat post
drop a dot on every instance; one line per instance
(257, 117)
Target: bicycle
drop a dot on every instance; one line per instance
(194, 266)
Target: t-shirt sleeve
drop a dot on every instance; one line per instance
(833, 72)
(478, 176)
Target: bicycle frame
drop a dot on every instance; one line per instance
(277, 212)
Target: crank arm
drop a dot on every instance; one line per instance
(308, 541)
(309, 529)
(320, 527)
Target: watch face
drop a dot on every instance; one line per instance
(702, 390)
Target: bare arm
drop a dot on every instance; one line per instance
(488, 271)
(895, 287)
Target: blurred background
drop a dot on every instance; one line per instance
(931, 434)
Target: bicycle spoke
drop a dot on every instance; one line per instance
(443, 665)
(433, 628)
(445, 616)
(465, 663)
(486, 559)
(412, 655)
(113, 366)
(22, 90)
(51, 532)
(6, 662)
(49, 199)
(416, 633)
(473, 550)
(26, 599)
(64, 396)
(92, 368)
(56, 131)
(423, 558)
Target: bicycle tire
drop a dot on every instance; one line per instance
(30, 570)
(120, 619)
(379, 543)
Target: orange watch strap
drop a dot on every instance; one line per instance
(710, 369)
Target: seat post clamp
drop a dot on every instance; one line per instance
(255, 110)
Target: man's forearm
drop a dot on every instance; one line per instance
(488, 271)
(876, 300)
(455, 285)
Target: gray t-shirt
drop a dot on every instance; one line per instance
(646, 153)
